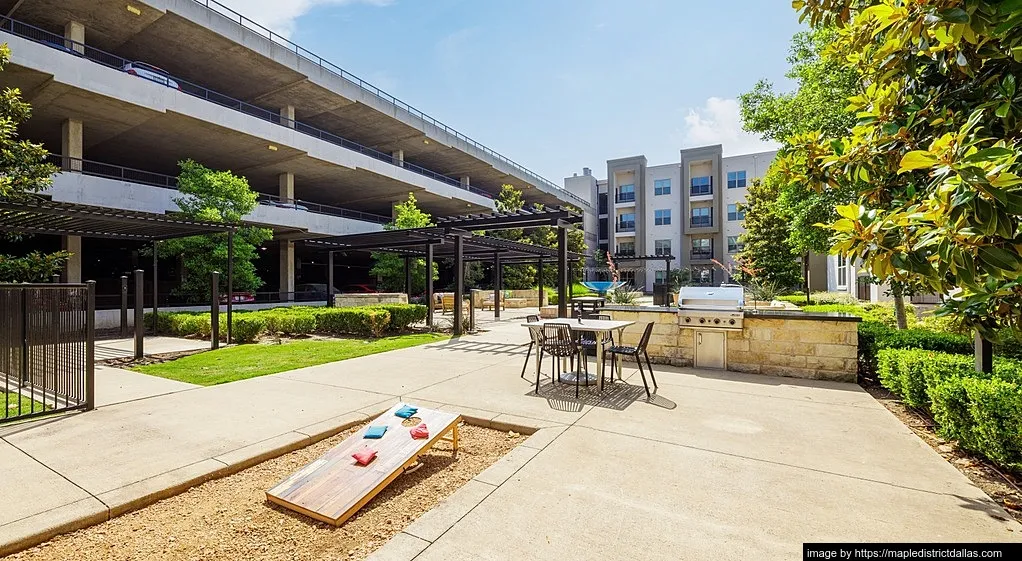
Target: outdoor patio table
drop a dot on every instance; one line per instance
(590, 303)
(596, 326)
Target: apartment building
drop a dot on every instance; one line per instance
(123, 90)
(689, 210)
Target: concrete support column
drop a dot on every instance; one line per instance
(287, 187)
(287, 270)
(464, 181)
(399, 157)
(73, 267)
(287, 116)
(72, 144)
(75, 31)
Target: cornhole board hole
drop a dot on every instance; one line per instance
(332, 488)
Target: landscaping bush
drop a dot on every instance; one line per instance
(247, 327)
(875, 336)
(356, 321)
(912, 374)
(882, 313)
(402, 316)
(820, 298)
(995, 412)
(289, 321)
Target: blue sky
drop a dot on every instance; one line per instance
(557, 84)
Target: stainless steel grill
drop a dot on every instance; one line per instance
(716, 307)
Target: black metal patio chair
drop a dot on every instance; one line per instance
(559, 342)
(535, 334)
(635, 353)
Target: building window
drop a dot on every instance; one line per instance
(604, 228)
(626, 222)
(626, 193)
(702, 185)
(603, 203)
(603, 248)
(626, 248)
(842, 271)
(662, 187)
(733, 245)
(735, 213)
(662, 217)
(662, 247)
(627, 277)
(701, 217)
(702, 248)
(736, 179)
(660, 277)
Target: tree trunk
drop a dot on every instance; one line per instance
(899, 308)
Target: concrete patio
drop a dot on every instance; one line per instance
(716, 465)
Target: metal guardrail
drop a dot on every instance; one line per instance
(74, 48)
(47, 347)
(110, 171)
(235, 17)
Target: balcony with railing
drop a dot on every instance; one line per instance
(702, 253)
(701, 186)
(625, 197)
(701, 221)
(626, 226)
(110, 171)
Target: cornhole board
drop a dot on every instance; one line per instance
(332, 488)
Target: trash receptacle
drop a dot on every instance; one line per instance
(661, 294)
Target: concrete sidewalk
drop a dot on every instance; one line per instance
(716, 465)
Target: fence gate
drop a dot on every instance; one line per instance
(47, 346)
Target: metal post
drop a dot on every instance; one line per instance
(214, 311)
(984, 352)
(539, 276)
(156, 292)
(429, 285)
(496, 285)
(408, 277)
(24, 339)
(230, 282)
(562, 272)
(330, 279)
(90, 346)
(459, 283)
(124, 305)
(139, 313)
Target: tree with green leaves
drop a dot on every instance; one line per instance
(215, 196)
(23, 171)
(767, 254)
(935, 156)
(390, 267)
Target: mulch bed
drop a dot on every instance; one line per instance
(1004, 487)
(230, 518)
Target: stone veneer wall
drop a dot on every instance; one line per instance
(352, 300)
(815, 348)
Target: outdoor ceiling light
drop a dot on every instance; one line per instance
(425, 141)
(272, 148)
(134, 10)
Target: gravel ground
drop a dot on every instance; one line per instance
(229, 518)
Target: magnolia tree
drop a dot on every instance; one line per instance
(934, 156)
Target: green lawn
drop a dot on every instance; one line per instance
(248, 361)
(9, 403)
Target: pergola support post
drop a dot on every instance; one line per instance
(429, 285)
(230, 282)
(139, 313)
(408, 278)
(330, 279)
(214, 311)
(459, 283)
(497, 281)
(156, 292)
(124, 305)
(539, 278)
(562, 272)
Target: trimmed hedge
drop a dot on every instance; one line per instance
(875, 336)
(368, 321)
(821, 298)
(983, 412)
(882, 313)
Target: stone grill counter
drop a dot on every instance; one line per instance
(819, 346)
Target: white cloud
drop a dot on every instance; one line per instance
(719, 121)
(280, 15)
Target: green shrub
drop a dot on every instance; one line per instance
(797, 299)
(355, 321)
(402, 316)
(296, 321)
(875, 336)
(950, 408)
(913, 374)
(881, 313)
(247, 327)
(995, 411)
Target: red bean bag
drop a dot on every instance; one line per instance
(420, 431)
(364, 456)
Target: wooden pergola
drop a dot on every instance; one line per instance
(455, 238)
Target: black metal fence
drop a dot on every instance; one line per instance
(47, 347)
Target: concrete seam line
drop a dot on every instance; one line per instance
(481, 501)
(323, 384)
(45, 535)
(62, 476)
(772, 462)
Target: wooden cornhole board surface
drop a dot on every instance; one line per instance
(333, 487)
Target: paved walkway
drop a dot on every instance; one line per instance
(718, 465)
